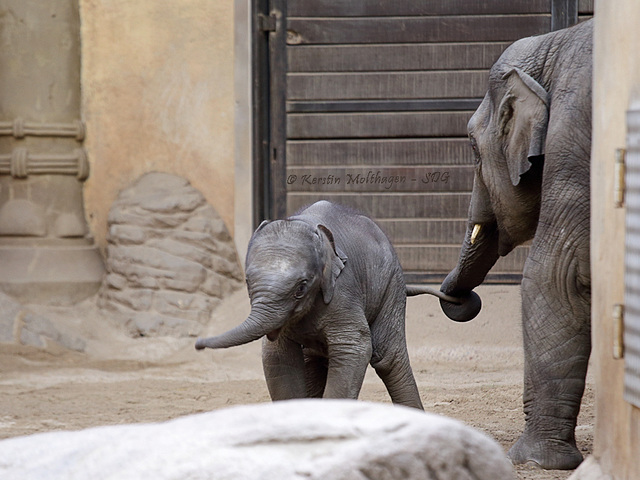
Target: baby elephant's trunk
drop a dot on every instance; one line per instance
(254, 327)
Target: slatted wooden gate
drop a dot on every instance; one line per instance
(369, 105)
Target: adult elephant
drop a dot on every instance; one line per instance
(531, 137)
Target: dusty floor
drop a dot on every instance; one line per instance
(472, 372)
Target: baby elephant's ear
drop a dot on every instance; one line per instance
(253, 238)
(335, 260)
(262, 225)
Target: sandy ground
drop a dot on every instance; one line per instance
(471, 372)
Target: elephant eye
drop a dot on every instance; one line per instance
(474, 147)
(301, 289)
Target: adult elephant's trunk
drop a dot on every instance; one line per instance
(479, 252)
(258, 324)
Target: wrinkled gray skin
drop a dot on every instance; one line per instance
(532, 140)
(328, 294)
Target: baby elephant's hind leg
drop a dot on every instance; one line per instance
(390, 356)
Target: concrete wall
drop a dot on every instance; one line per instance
(243, 211)
(158, 95)
(616, 84)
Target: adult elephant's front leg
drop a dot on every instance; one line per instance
(284, 370)
(556, 334)
(349, 352)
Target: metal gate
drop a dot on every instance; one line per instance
(632, 261)
(368, 106)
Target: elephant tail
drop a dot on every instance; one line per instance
(459, 309)
(413, 290)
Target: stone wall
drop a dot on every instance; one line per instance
(170, 259)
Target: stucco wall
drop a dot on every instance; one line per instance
(616, 83)
(158, 95)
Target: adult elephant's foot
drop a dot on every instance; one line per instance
(547, 453)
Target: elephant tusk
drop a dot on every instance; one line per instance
(476, 231)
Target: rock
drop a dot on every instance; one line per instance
(298, 439)
(9, 311)
(170, 258)
(20, 325)
(589, 470)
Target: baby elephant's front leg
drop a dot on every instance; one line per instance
(349, 354)
(283, 365)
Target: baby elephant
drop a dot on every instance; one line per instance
(328, 293)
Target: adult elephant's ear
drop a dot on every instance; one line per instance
(334, 263)
(523, 120)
